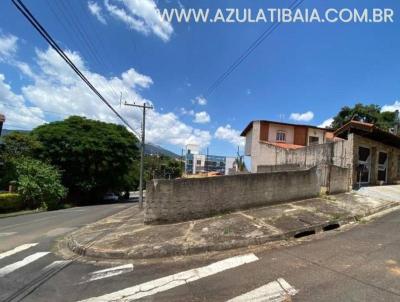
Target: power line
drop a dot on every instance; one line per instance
(60, 114)
(35, 23)
(80, 34)
(248, 51)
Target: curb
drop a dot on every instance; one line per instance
(173, 250)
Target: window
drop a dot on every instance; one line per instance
(198, 162)
(364, 165)
(281, 136)
(313, 140)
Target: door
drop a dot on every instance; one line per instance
(364, 165)
(382, 166)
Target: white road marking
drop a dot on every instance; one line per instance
(165, 283)
(276, 291)
(110, 272)
(7, 234)
(56, 264)
(17, 250)
(14, 266)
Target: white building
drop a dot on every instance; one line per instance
(265, 138)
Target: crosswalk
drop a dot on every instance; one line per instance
(28, 254)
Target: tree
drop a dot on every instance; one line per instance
(239, 162)
(365, 113)
(14, 146)
(160, 166)
(38, 183)
(18, 144)
(94, 157)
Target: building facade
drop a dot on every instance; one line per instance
(375, 157)
(261, 135)
(196, 163)
(369, 154)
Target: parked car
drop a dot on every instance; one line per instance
(110, 197)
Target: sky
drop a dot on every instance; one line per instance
(302, 73)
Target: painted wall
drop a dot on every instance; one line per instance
(318, 133)
(274, 128)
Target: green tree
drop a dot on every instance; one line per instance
(365, 113)
(18, 144)
(160, 166)
(38, 183)
(239, 162)
(14, 145)
(94, 157)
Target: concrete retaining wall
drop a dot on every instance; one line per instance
(339, 180)
(278, 168)
(184, 199)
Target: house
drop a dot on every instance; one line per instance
(262, 136)
(366, 154)
(374, 153)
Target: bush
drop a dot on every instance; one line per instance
(10, 202)
(39, 184)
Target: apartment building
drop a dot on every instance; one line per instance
(261, 135)
(196, 163)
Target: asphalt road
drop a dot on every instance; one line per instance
(360, 264)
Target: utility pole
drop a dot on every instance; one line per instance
(143, 106)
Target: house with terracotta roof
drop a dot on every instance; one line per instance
(361, 153)
(375, 156)
(263, 137)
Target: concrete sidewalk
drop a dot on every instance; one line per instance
(124, 236)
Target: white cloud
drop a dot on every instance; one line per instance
(199, 100)
(395, 106)
(226, 133)
(201, 117)
(59, 92)
(96, 11)
(142, 16)
(168, 127)
(13, 106)
(8, 46)
(186, 112)
(134, 79)
(302, 117)
(327, 123)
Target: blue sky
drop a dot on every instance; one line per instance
(309, 69)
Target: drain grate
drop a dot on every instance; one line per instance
(331, 227)
(304, 234)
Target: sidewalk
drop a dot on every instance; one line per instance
(124, 235)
